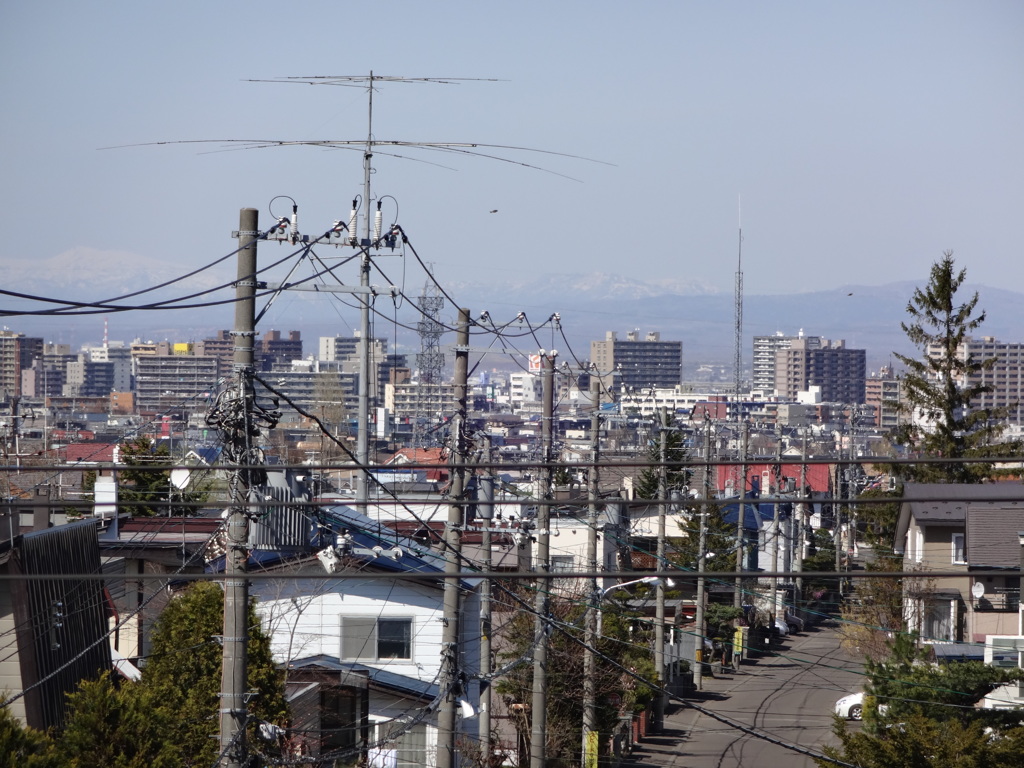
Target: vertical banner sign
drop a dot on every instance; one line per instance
(590, 756)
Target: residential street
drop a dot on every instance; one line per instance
(788, 695)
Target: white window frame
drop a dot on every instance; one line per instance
(960, 538)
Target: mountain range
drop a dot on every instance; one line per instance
(588, 305)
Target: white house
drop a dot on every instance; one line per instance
(348, 614)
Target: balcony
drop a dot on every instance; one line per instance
(1001, 600)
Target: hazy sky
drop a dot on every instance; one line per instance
(863, 137)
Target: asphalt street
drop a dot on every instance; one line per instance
(787, 695)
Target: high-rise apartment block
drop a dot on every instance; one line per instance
(17, 352)
(763, 361)
(639, 363)
(1004, 376)
(840, 372)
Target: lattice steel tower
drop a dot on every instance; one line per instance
(429, 360)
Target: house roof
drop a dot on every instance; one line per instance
(933, 504)
(753, 514)
(818, 475)
(379, 678)
(161, 532)
(992, 534)
(76, 453)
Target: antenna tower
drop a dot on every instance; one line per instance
(430, 359)
(737, 365)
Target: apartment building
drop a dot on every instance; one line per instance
(639, 363)
(167, 382)
(882, 391)
(840, 372)
(763, 360)
(1004, 376)
(17, 352)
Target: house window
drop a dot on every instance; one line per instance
(959, 554)
(375, 638)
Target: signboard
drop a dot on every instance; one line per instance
(534, 366)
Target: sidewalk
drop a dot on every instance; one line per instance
(665, 749)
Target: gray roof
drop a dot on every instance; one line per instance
(382, 678)
(992, 534)
(948, 503)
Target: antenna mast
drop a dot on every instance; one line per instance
(738, 356)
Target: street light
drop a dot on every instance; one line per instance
(589, 727)
(603, 593)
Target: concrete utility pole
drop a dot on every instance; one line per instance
(446, 732)
(538, 733)
(485, 508)
(737, 599)
(698, 655)
(591, 738)
(659, 599)
(776, 529)
(798, 539)
(236, 586)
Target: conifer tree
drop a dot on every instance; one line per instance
(937, 388)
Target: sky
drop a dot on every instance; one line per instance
(854, 142)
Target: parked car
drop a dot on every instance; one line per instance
(795, 623)
(852, 707)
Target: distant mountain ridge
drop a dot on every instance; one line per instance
(589, 305)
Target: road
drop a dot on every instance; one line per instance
(788, 695)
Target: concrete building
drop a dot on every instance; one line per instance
(17, 352)
(840, 372)
(639, 363)
(120, 358)
(881, 392)
(274, 349)
(86, 378)
(168, 382)
(763, 360)
(1005, 376)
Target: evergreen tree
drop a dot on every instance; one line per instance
(111, 726)
(22, 747)
(184, 673)
(676, 475)
(937, 386)
(144, 482)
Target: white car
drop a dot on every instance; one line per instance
(852, 707)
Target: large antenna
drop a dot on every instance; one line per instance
(472, 148)
(738, 355)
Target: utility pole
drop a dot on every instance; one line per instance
(659, 599)
(538, 733)
(233, 713)
(737, 599)
(590, 734)
(446, 731)
(798, 540)
(775, 523)
(698, 656)
(486, 511)
(363, 410)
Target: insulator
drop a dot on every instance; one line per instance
(295, 223)
(378, 220)
(353, 221)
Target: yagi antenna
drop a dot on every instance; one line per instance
(372, 145)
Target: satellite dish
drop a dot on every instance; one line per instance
(978, 590)
(181, 477)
